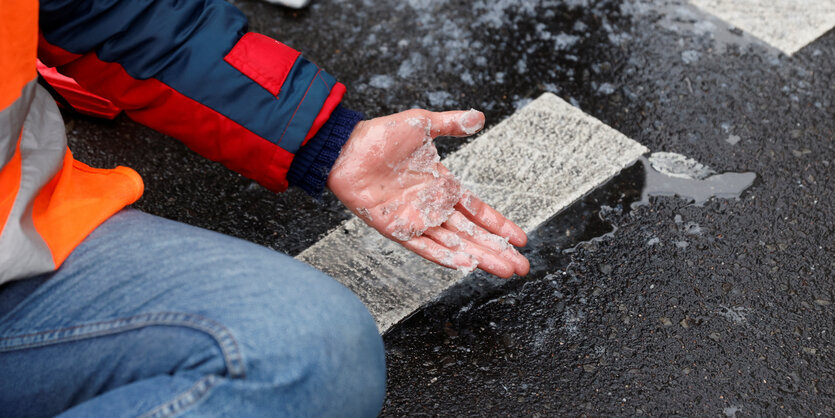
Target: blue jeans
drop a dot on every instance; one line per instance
(153, 318)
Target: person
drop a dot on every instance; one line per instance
(107, 311)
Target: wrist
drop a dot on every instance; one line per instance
(312, 164)
(344, 153)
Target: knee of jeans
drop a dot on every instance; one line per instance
(328, 352)
(351, 361)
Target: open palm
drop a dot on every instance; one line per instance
(389, 174)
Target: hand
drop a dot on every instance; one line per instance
(389, 174)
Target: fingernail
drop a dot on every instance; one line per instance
(471, 121)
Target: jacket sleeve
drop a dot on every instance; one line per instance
(190, 69)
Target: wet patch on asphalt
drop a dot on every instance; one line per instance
(720, 309)
(681, 309)
(698, 186)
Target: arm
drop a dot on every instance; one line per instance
(190, 70)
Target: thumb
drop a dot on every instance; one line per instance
(456, 123)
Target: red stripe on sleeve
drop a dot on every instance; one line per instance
(160, 107)
(333, 100)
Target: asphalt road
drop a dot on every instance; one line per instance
(675, 309)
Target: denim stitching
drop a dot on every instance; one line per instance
(183, 400)
(222, 336)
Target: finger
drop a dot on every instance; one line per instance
(460, 224)
(439, 254)
(488, 261)
(487, 217)
(490, 219)
(456, 123)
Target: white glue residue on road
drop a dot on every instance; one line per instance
(677, 165)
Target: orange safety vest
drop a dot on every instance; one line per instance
(49, 202)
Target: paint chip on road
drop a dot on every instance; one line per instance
(787, 25)
(529, 167)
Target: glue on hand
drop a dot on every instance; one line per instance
(389, 173)
(471, 121)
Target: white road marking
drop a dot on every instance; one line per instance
(787, 25)
(529, 167)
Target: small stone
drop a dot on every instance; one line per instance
(810, 350)
(589, 367)
(605, 268)
(448, 361)
(252, 187)
(733, 139)
(349, 227)
(690, 56)
(685, 323)
(714, 336)
(822, 302)
(801, 152)
(792, 384)
(665, 321)
(687, 370)
(726, 287)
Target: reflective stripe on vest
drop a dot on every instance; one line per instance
(40, 152)
(53, 201)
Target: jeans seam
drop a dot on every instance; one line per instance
(184, 400)
(223, 337)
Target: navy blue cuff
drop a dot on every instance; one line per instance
(313, 162)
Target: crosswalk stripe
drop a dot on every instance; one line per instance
(529, 167)
(787, 25)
